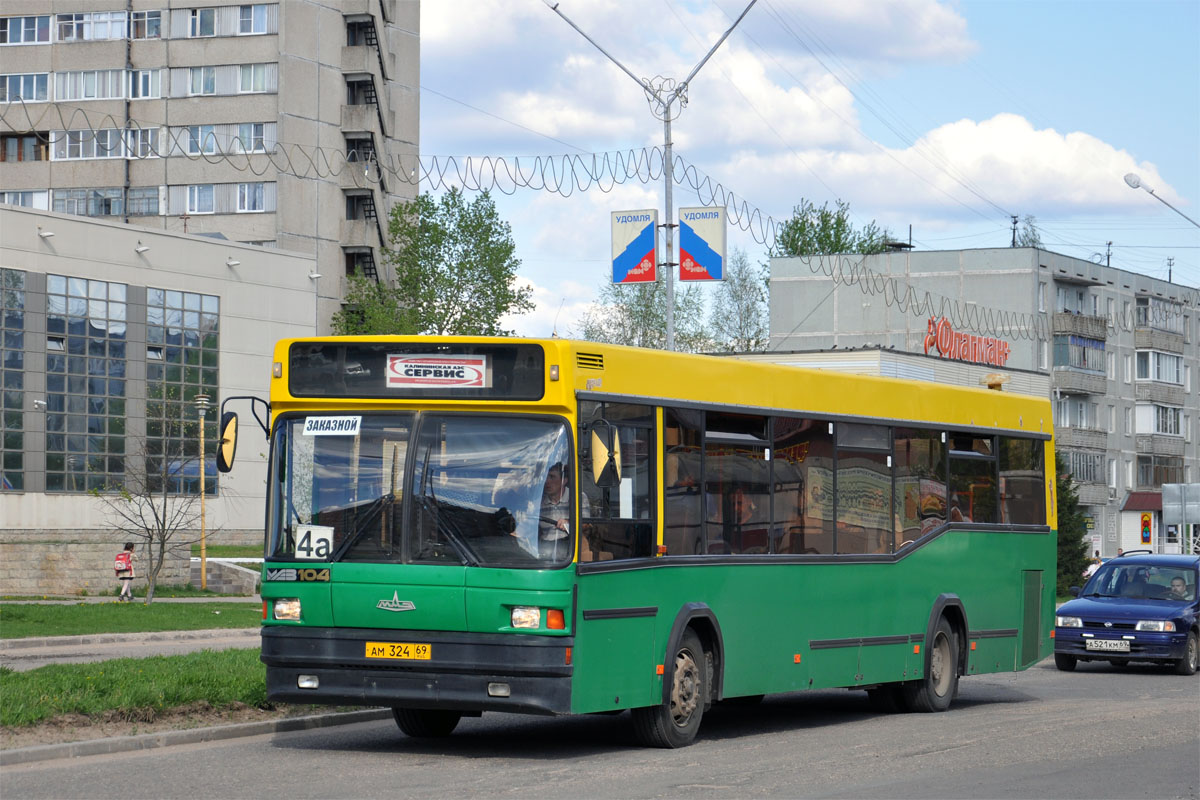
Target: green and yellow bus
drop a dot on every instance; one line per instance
(460, 525)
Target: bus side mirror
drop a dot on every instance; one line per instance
(606, 455)
(227, 444)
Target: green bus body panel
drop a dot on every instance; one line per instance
(792, 627)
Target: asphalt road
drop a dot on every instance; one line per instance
(1096, 733)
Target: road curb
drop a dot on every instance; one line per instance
(114, 638)
(150, 741)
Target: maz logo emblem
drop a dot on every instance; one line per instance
(395, 604)
(1108, 624)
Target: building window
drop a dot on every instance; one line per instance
(1159, 314)
(250, 197)
(252, 19)
(1154, 471)
(1079, 352)
(145, 83)
(1166, 420)
(85, 383)
(23, 147)
(203, 81)
(251, 137)
(1128, 369)
(12, 362)
(1085, 467)
(201, 139)
(102, 84)
(1112, 419)
(25, 30)
(143, 201)
(200, 198)
(89, 202)
(143, 142)
(182, 342)
(91, 26)
(145, 25)
(254, 78)
(1041, 296)
(1128, 421)
(105, 143)
(25, 199)
(1162, 367)
(202, 22)
(1112, 473)
(30, 87)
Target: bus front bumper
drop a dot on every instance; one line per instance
(466, 671)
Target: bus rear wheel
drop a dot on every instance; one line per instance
(937, 688)
(675, 722)
(426, 723)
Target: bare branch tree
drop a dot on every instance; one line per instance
(739, 309)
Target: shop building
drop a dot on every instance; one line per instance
(1116, 351)
(109, 332)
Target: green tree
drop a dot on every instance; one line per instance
(1029, 235)
(1072, 547)
(825, 230)
(455, 273)
(636, 314)
(739, 317)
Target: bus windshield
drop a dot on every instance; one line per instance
(420, 488)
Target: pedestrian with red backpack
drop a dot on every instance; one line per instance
(124, 568)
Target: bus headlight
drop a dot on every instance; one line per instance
(1068, 622)
(526, 617)
(1156, 625)
(288, 608)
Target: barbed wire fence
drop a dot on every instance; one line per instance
(564, 175)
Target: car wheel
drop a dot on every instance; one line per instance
(1187, 664)
(1065, 662)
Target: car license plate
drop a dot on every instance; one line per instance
(403, 650)
(1112, 645)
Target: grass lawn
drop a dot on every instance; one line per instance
(229, 551)
(21, 620)
(135, 688)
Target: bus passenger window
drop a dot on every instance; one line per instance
(802, 472)
(683, 531)
(920, 466)
(1022, 482)
(972, 479)
(618, 521)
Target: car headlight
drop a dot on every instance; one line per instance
(1068, 622)
(1157, 625)
(526, 617)
(288, 608)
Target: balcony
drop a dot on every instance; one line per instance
(1073, 381)
(1154, 339)
(1156, 444)
(1066, 322)
(1081, 438)
(362, 232)
(1092, 494)
(1166, 394)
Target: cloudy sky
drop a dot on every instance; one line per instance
(946, 116)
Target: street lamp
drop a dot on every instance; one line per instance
(1136, 183)
(202, 402)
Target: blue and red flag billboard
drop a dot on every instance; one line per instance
(701, 244)
(635, 246)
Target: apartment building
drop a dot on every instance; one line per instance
(1119, 349)
(291, 124)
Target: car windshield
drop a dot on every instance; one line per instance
(1145, 581)
(449, 489)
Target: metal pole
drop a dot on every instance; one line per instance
(669, 178)
(202, 408)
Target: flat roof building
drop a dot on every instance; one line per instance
(1116, 351)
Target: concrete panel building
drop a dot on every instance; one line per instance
(1117, 352)
(107, 334)
(288, 124)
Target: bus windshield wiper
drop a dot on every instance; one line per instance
(367, 516)
(444, 524)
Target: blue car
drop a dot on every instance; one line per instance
(1137, 607)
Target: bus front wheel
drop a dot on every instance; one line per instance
(426, 723)
(674, 723)
(937, 688)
